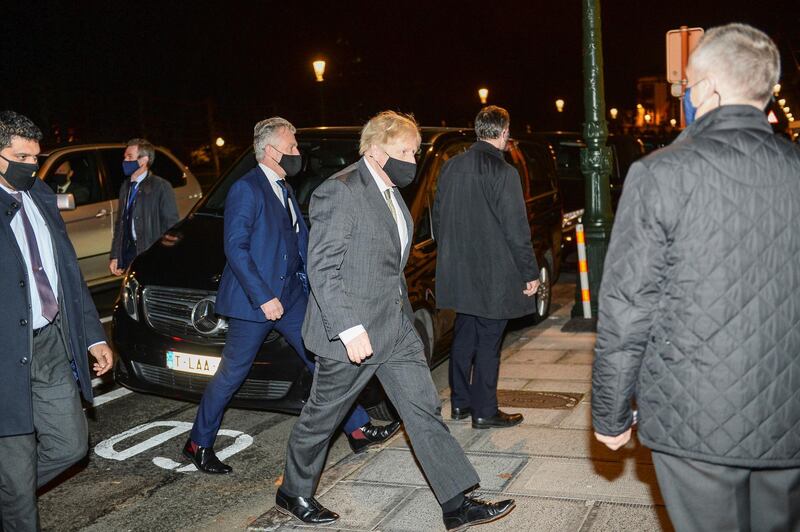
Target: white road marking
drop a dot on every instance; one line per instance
(110, 396)
(106, 319)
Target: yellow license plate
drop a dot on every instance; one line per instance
(189, 363)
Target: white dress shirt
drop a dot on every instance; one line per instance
(347, 336)
(273, 179)
(135, 182)
(45, 252)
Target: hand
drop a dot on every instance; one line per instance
(359, 349)
(104, 356)
(112, 266)
(531, 287)
(614, 442)
(272, 309)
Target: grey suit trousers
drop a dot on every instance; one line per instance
(706, 497)
(407, 380)
(61, 431)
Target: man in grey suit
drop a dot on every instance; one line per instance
(359, 322)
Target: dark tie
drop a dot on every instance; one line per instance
(285, 190)
(43, 286)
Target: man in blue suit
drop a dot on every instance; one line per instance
(263, 287)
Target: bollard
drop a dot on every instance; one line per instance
(583, 272)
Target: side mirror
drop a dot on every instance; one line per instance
(65, 202)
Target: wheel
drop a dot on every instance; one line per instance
(544, 295)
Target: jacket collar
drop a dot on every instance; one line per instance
(728, 117)
(485, 147)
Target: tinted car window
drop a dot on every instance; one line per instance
(540, 168)
(76, 174)
(112, 161)
(321, 159)
(165, 167)
(514, 158)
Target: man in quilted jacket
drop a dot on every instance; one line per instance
(699, 320)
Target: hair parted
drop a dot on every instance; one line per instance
(743, 58)
(491, 122)
(13, 124)
(387, 126)
(264, 132)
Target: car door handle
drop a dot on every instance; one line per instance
(101, 213)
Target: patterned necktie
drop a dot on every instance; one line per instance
(43, 286)
(388, 195)
(285, 190)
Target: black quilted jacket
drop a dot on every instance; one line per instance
(700, 302)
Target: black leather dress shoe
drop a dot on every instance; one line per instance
(306, 509)
(372, 436)
(204, 459)
(476, 512)
(500, 420)
(460, 413)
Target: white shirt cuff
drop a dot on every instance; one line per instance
(347, 336)
(94, 344)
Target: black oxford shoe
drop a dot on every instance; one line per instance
(306, 509)
(476, 512)
(460, 413)
(372, 435)
(500, 420)
(204, 459)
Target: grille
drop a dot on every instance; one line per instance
(251, 389)
(169, 311)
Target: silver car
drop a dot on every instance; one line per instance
(87, 178)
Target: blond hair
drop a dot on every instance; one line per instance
(387, 126)
(744, 59)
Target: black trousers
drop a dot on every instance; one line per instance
(706, 497)
(407, 380)
(475, 363)
(61, 437)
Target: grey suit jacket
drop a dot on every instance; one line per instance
(354, 266)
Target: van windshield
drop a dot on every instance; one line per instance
(321, 159)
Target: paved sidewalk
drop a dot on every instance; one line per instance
(560, 477)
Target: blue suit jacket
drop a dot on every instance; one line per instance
(255, 248)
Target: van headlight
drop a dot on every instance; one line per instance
(130, 296)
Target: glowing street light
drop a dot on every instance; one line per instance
(220, 142)
(673, 122)
(483, 94)
(560, 105)
(782, 102)
(777, 88)
(319, 69)
(648, 118)
(786, 110)
(613, 112)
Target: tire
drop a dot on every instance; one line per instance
(383, 411)
(545, 293)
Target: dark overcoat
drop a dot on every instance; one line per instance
(79, 318)
(485, 255)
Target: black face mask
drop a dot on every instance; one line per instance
(60, 179)
(401, 173)
(291, 164)
(21, 176)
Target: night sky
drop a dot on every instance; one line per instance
(111, 70)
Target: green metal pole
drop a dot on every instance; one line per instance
(596, 157)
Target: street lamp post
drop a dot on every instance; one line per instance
(483, 94)
(596, 157)
(319, 74)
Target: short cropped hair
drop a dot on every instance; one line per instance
(13, 124)
(265, 131)
(146, 149)
(744, 58)
(491, 122)
(387, 126)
